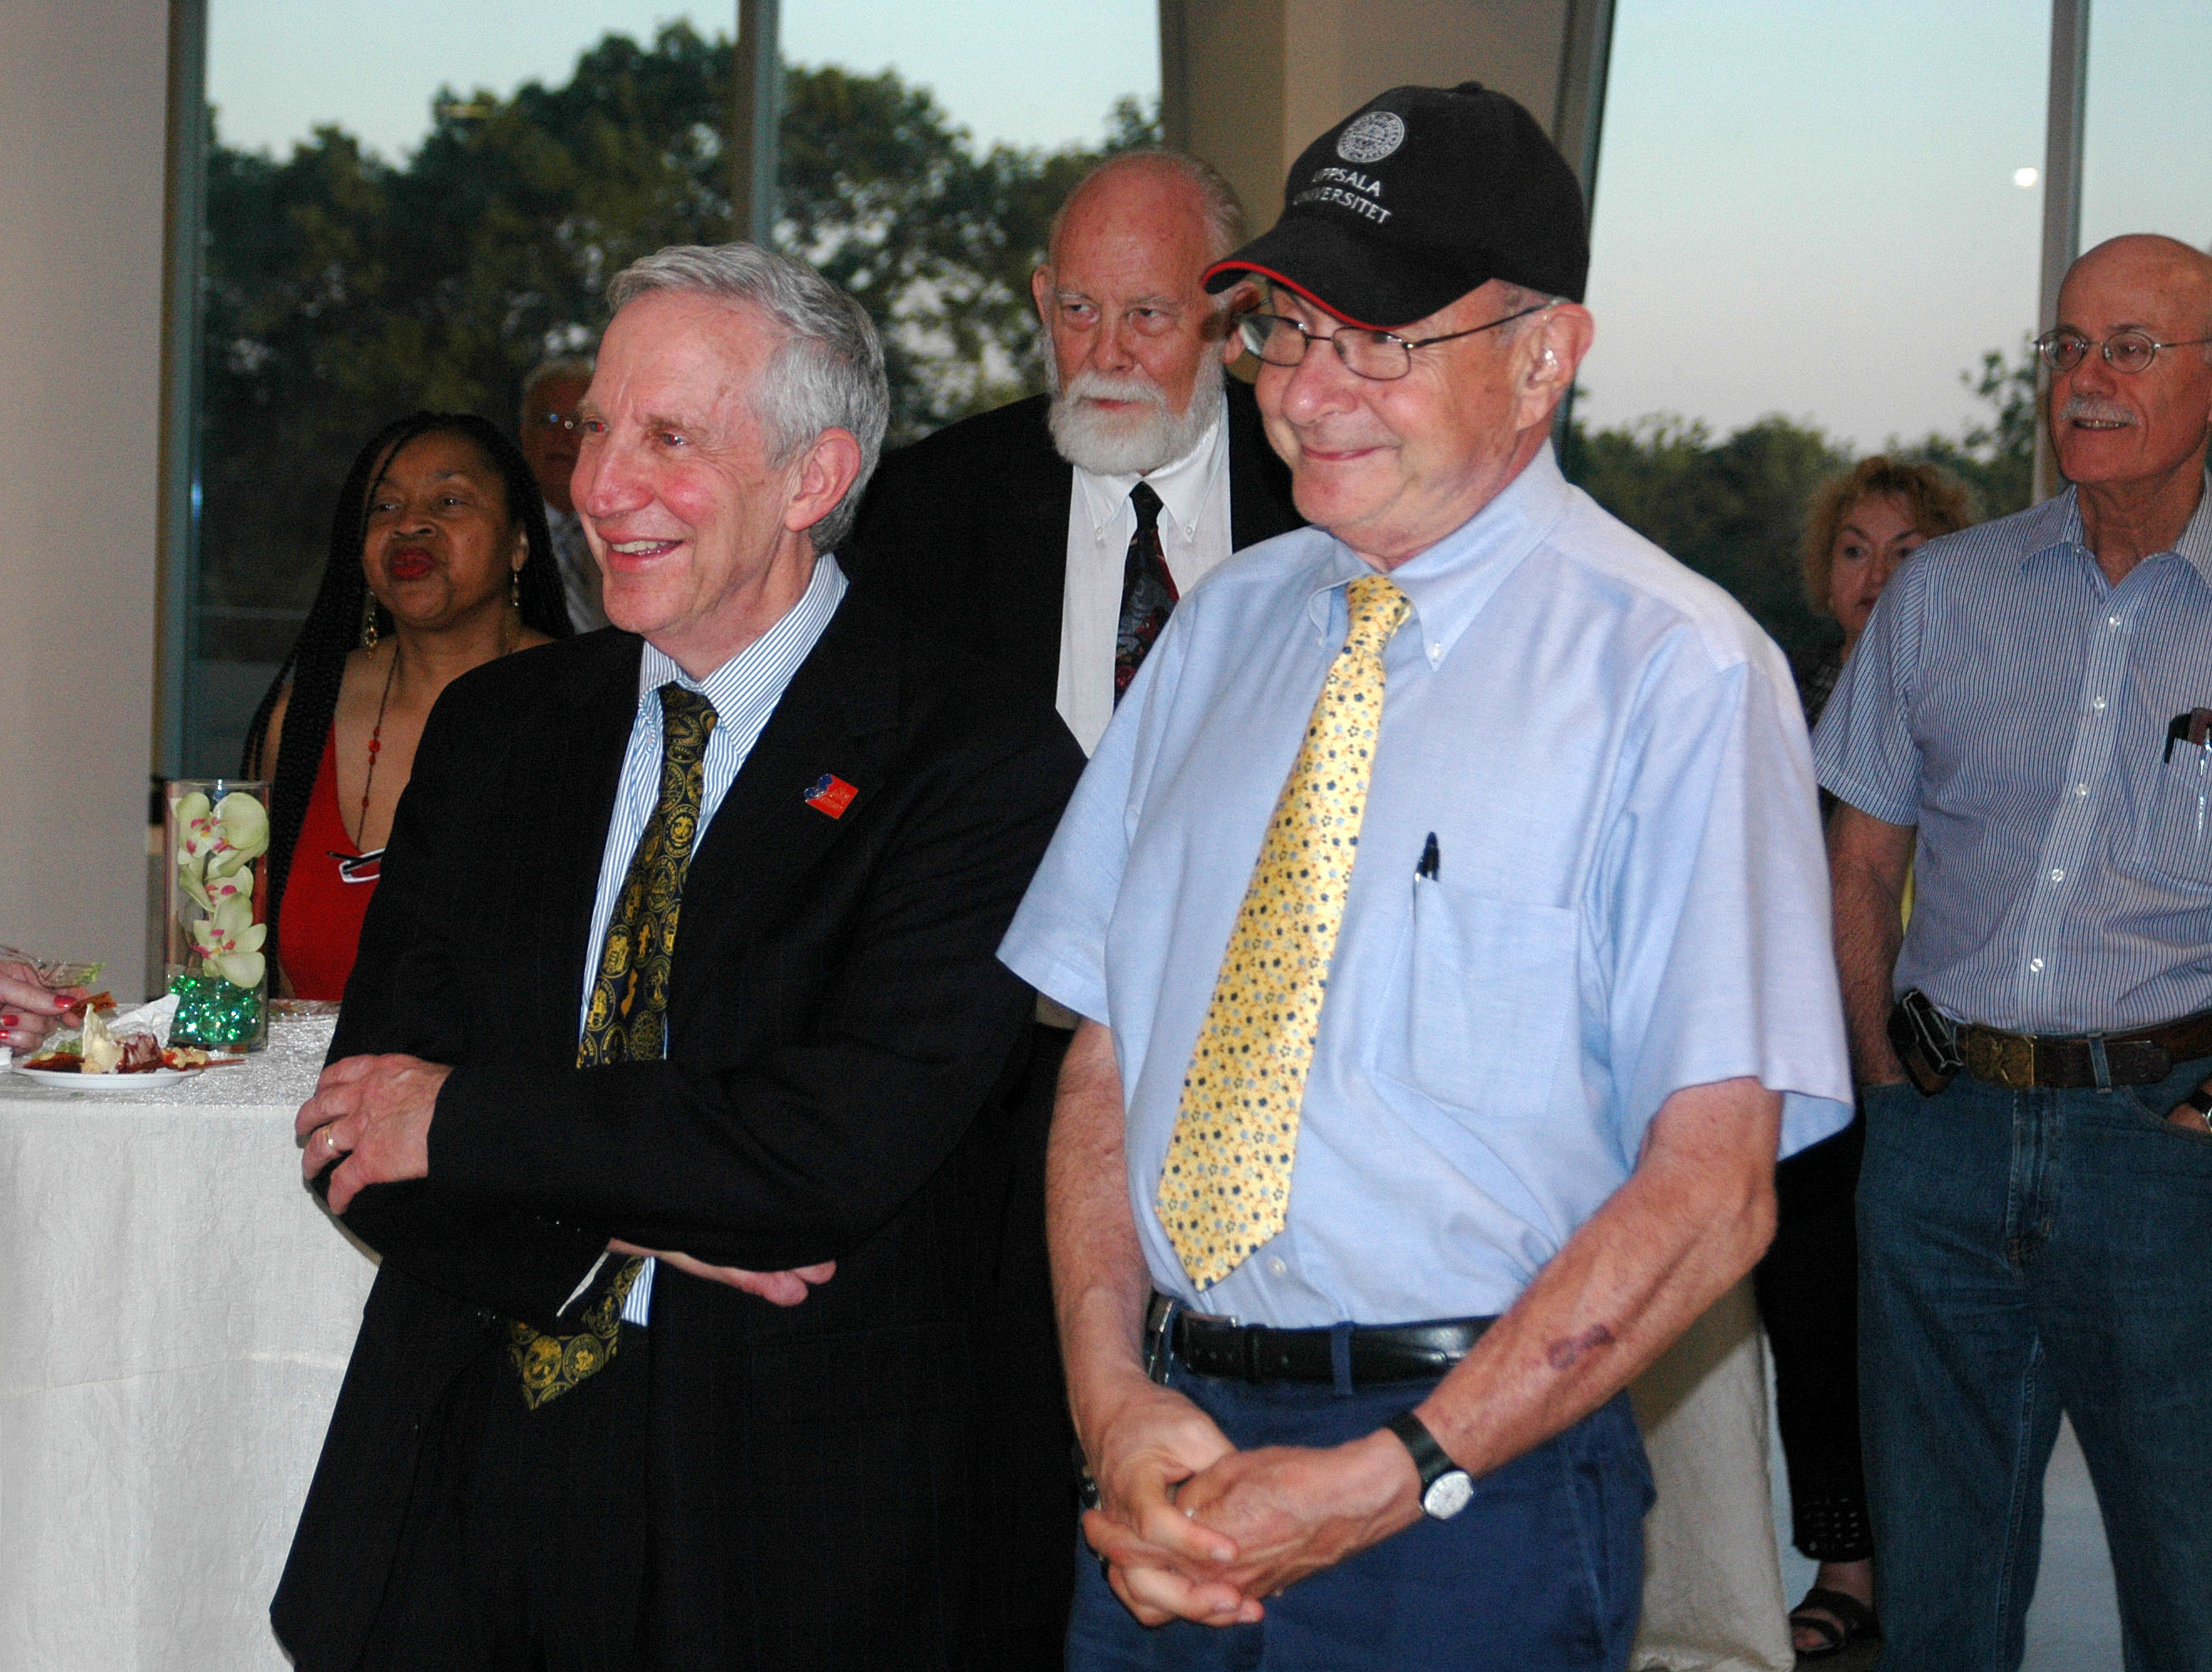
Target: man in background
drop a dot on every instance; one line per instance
(2030, 710)
(1055, 535)
(1053, 538)
(549, 435)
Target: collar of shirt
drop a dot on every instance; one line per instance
(2060, 530)
(1449, 584)
(745, 690)
(1182, 486)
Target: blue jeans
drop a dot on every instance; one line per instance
(2022, 1253)
(1543, 1569)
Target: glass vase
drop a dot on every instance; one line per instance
(218, 966)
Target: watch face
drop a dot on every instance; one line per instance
(1448, 1494)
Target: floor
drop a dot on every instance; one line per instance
(2073, 1625)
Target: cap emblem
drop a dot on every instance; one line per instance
(1372, 137)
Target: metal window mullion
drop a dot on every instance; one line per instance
(757, 115)
(1578, 122)
(2061, 192)
(1578, 111)
(185, 203)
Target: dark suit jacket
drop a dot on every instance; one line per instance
(840, 1038)
(966, 531)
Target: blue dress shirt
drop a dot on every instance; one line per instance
(1630, 896)
(2014, 705)
(744, 692)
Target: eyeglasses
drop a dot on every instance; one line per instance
(1381, 355)
(2129, 351)
(555, 420)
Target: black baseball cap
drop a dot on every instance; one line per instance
(1417, 197)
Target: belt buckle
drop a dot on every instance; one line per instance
(2008, 1059)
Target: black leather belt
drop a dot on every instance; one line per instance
(2019, 1062)
(1254, 1352)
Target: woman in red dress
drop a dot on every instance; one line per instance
(440, 560)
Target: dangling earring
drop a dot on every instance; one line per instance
(514, 589)
(368, 620)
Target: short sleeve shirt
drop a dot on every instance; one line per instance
(1629, 897)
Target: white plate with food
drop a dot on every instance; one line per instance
(76, 1079)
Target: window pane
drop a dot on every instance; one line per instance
(1811, 219)
(411, 202)
(2147, 147)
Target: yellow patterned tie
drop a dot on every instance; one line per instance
(627, 1017)
(1226, 1187)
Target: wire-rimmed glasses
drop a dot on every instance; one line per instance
(1382, 355)
(2129, 351)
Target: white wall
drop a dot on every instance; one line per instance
(83, 94)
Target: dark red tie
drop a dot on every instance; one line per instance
(1148, 591)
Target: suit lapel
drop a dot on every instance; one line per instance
(1030, 562)
(833, 720)
(1259, 503)
(583, 755)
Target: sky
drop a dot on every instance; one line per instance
(1814, 207)
(1011, 70)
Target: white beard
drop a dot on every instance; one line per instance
(1128, 443)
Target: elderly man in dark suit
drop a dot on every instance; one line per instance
(1054, 537)
(1056, 534)
(665, 1083)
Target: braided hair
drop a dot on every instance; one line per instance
(316, 666)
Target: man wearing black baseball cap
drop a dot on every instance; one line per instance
(1446, 907)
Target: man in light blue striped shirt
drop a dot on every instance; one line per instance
(2027, 727)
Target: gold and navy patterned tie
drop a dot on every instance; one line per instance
(1226, 1187)
(627, 1017)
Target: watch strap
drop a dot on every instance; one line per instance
(1430, 1460)
(2200, 1100)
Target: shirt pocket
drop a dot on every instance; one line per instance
(2173, 840)
(1483, 1000)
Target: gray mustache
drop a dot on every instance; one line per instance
(2098, 411)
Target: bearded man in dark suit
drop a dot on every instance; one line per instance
(1053, 536)
(669, 1082)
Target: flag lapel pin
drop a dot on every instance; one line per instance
(831, 794)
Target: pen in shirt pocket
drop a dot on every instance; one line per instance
(1431, 861)
(2194, 727)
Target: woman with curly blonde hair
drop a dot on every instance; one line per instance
(1864, 525)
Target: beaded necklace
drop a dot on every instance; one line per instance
(375, 744)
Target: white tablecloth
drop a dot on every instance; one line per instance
(176, 1312)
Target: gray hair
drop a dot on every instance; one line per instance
(575, 367)
(826, 375)
(1224, 211)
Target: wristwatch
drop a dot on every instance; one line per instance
(1445, 1487)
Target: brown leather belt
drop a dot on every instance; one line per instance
(2022, 1061)
(1386, 1352)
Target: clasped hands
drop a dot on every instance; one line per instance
(371, 1116)
(1190, 1528)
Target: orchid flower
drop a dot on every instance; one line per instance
(215, 844)
(242, 833)
(229, 942)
